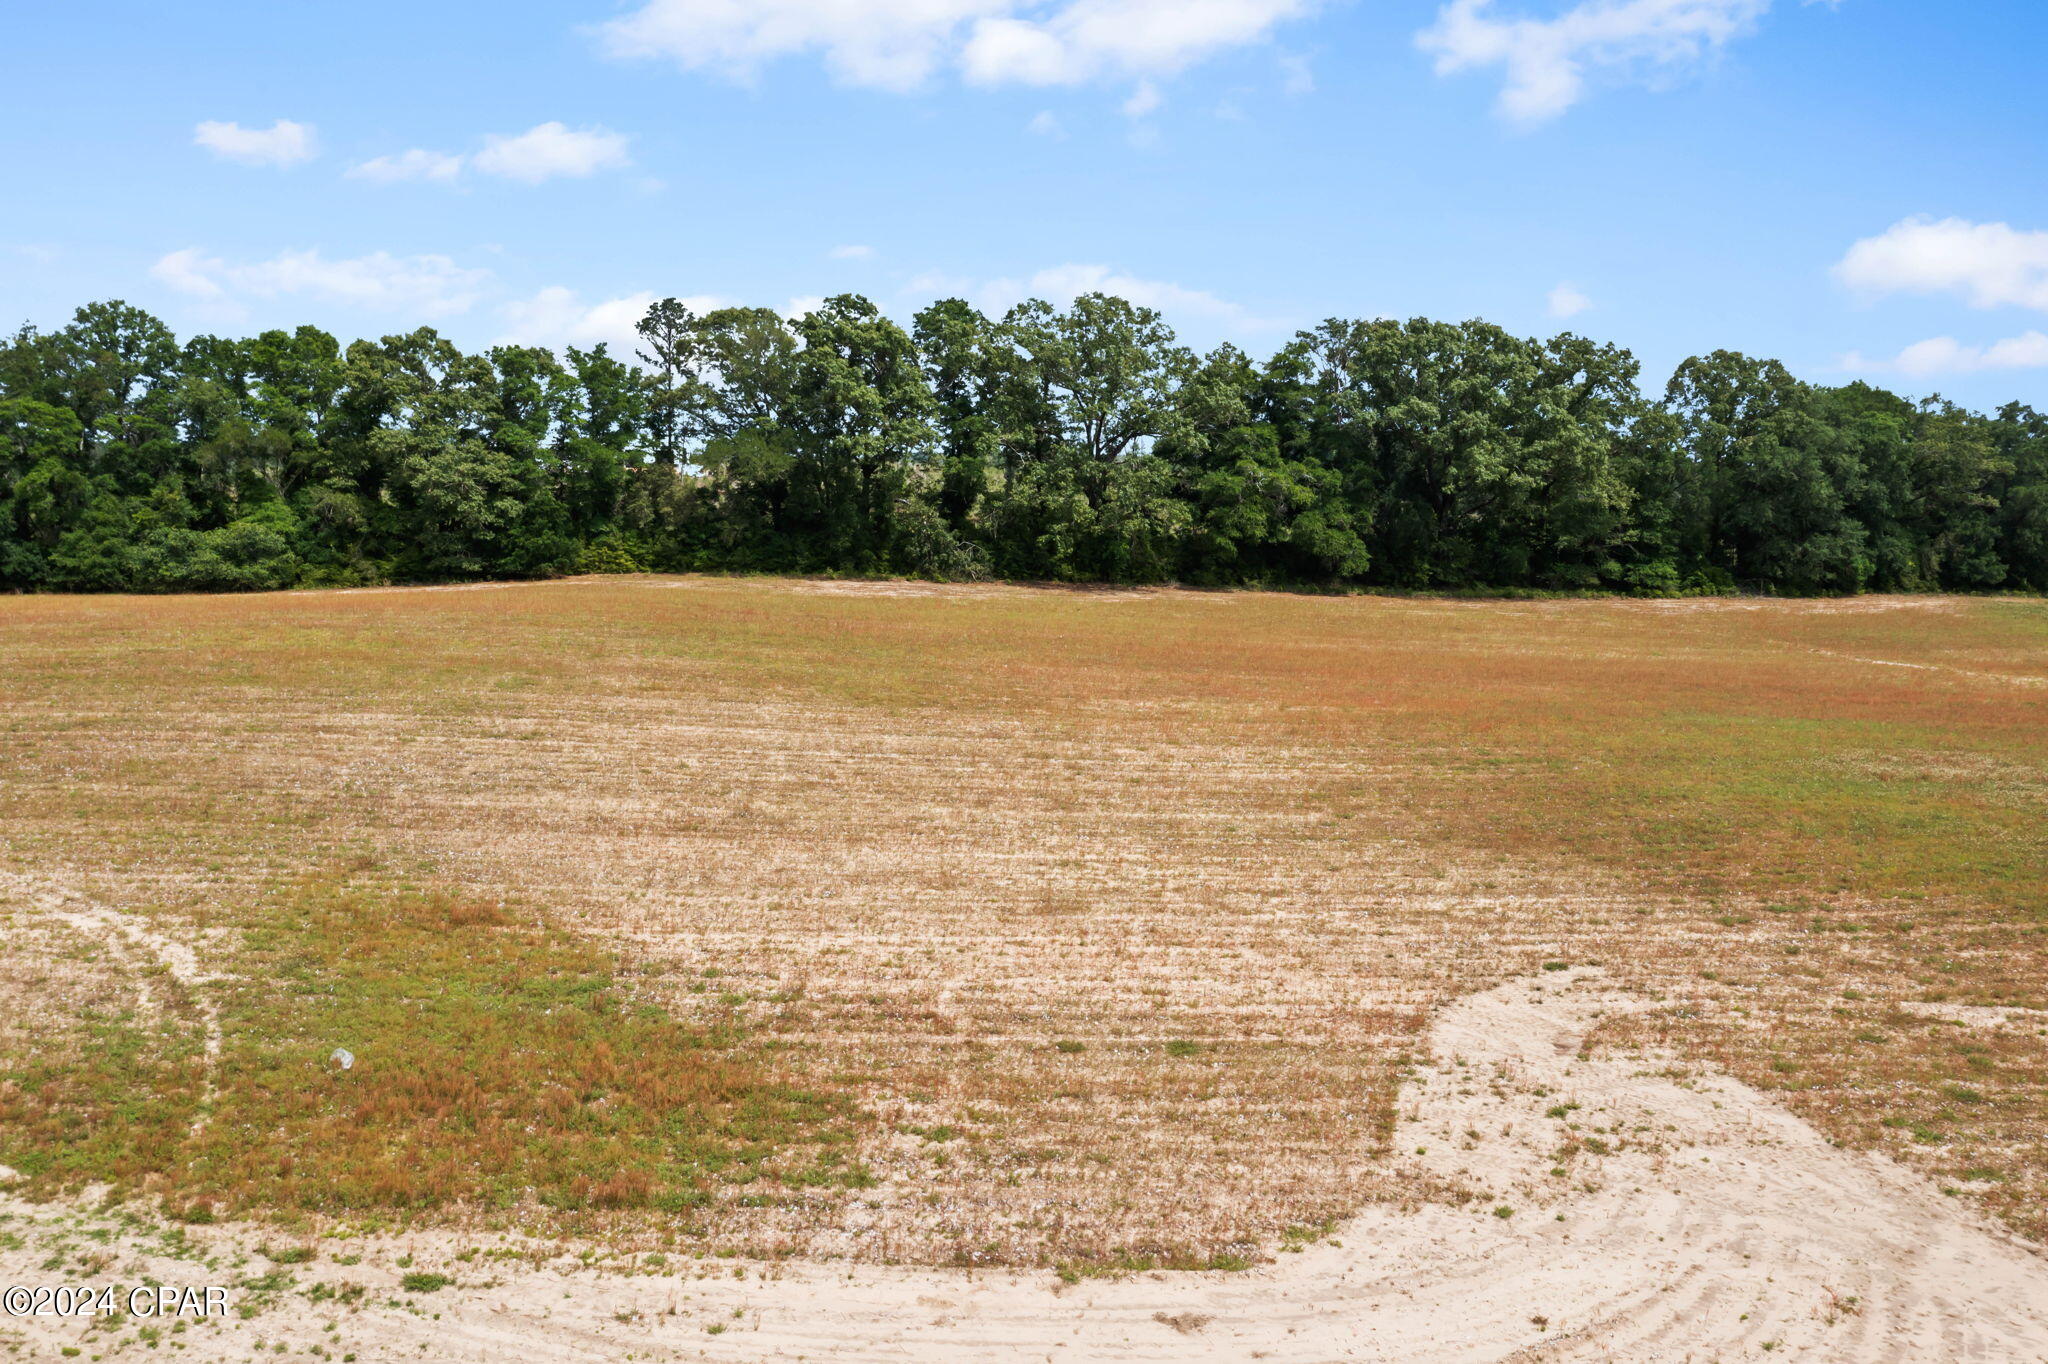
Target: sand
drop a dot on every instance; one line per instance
(1714, 1226)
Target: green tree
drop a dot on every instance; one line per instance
(859, 419)
(2020, 487)
(597, 447)
(1104, 370)
(1256, 515)
(117, 370)
(1775, 478)
(1475, 456)
(1076, 443)
(460, 447)
(42, 494)
(962, 355)
(668, 330)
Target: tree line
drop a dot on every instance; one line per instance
(1073, 444)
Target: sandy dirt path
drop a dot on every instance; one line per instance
(131, 938)
(1617, 1210)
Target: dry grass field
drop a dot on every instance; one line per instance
(962, 926)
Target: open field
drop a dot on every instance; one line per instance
(1088, 931)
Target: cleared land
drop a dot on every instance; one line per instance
(1099, 931)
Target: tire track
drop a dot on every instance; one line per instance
(1714, 1226)
(133, 941)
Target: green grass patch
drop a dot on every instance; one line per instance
(499, 1062)
(103, 1096)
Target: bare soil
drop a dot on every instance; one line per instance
(1713, 1225)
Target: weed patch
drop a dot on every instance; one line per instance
(498, 1062)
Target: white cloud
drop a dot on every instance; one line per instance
(901, 44)
(1295, 76)
(1990, 264)
(1946, 355)
(283, 143)
(549, 150)
(409, 286)
(1091, 39)
(557, 317)
(1015, 51)
(802, 305)
(887, 44)
(1546, 61)
(851, 252)
(1144, 100)
(1045, 123)
(1567, 301)
(1062, 284)
(417, 164)
(190, 272)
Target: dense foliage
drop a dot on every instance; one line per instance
(1076, 444)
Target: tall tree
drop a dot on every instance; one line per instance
(668, 331)
(1076, 442)
(1774, 477)
(859, 417)
(2021, 489)
(962, 352)
(1258, 514)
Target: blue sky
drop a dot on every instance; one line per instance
(1856, 188)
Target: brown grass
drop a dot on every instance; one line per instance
(1113, 912)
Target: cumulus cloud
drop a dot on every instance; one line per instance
(901, 44)
(557, 317)
(408, 286)
(1045, 123)
(1093, 38)
(1946, 355)
(885, 44)
(283, 143)
(550, 150)
(1567, 301)
(417, 164)
(1546, 62)
(1989, 264)
(851, 252)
